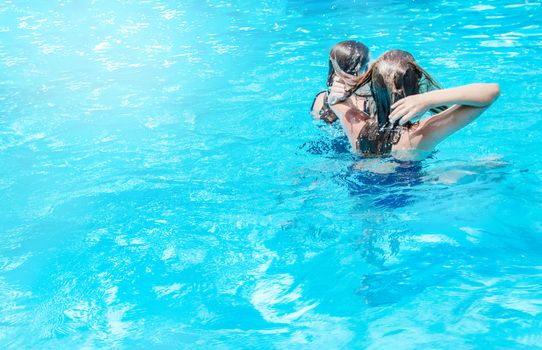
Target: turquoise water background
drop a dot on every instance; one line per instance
(162, 184)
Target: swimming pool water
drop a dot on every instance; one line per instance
(163, 186)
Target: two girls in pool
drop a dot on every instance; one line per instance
(378, 106)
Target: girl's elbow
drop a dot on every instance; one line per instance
(495, 91)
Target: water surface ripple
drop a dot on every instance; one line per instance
(162, 184)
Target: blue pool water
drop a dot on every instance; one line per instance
(163, 186)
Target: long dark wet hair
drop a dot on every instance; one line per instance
(351, 57)
(395, 75)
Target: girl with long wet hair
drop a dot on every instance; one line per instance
(402, 91)
(347, 62)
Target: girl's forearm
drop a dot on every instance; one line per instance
(475, 95)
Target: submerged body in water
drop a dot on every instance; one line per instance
(392, 183)
(386, 182)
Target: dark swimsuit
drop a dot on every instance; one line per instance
(325, 113)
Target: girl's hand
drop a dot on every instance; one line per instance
(409, 108)
(337, 92)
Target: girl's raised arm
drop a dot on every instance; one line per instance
(469, 102)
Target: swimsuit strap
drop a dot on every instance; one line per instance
(326, 113)
(316, 97)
